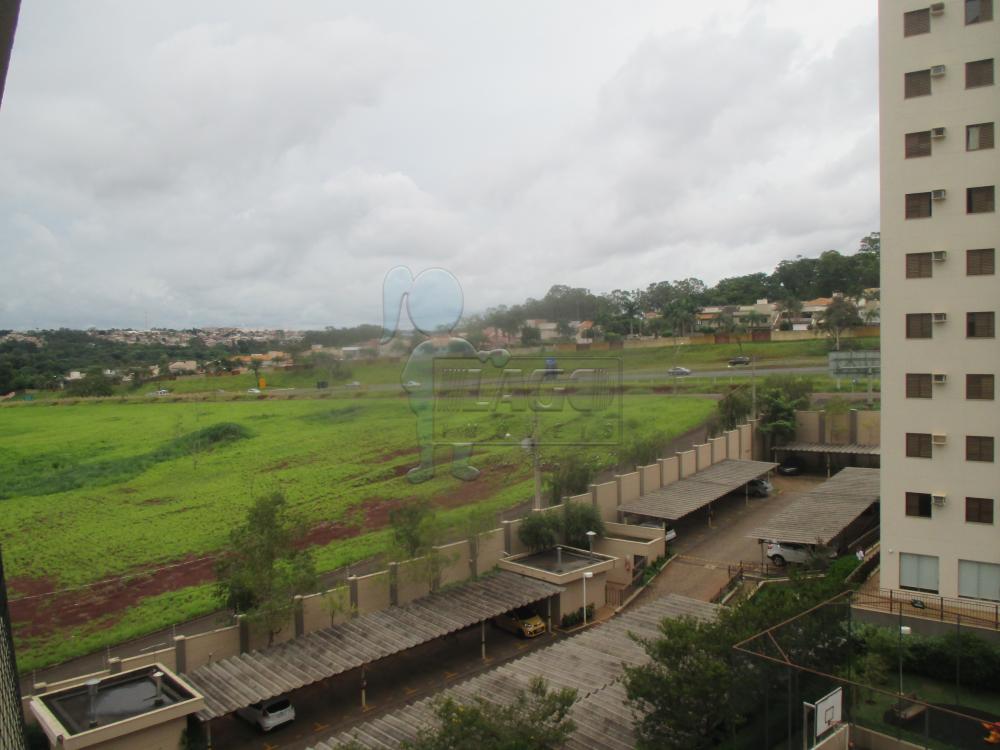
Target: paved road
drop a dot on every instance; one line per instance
(699, 571)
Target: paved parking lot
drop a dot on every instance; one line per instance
(704, 551)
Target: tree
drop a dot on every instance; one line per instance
(755, 320)
(572, 475)
(781, 397)
(839, 316)
(539, 531)
(265, 565)
(577, 520)
(537, 719)
(94, 384)
(734, 408)
(531, 336)
(414, 527)
(564, 329)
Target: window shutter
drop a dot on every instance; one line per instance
(979, 73)
(977, 11)
(918, 144)
(979, 387)
(918, 205)
(917, 22)
(981, 262)
(917, 83)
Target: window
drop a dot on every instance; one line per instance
(977, 11)
(918, 572)
(918, 205)
(979, 448)
(918, 144)
(980, 200)
(979, 387)
(918, 385)
(917, 22)
(980, 262)
(978, 73)
(979, 136)
(919, 326)
(917, 83)
(979, 510)
(979, 580)
(919, 265)
(979, 325)
(918, 504)
(918, 444)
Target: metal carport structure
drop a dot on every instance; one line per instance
(677, 499)
(823, 513)
(239, 681)
(590, 662)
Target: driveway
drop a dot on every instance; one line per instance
(704, 552)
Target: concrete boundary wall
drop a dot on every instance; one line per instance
(649, 478)
(746, 442)
(606, 499)
(628, 487)
(688, 463)
(719, 449)
(372, 592)
(703, 456)
(454, 563)
(413, 580)
(733, 443)
(490, 550)
(669, 470)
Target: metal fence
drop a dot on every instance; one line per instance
(942, 608)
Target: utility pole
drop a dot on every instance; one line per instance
(753, 386)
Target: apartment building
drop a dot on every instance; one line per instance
(11, 715)
(939, 109)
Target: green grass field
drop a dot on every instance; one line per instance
(103, 488)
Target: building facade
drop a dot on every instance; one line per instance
(939, 108)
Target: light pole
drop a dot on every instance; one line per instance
(586, 575)
(590, 543)
(903, 630)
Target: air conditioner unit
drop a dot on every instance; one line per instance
(938, 195)
(937, 9)
(937, 132)
(939, 256)
(937, 71)
(940, 317)
(939, 438)
(940, 500)
(940, 378)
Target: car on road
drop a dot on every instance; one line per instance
(523, 621)
(253, 390)
(678, 372)
(791, 466)
(354, 384)
(739, 361)
(759, 488)
(782, 553)
(411, 384)
(268, 714)
(161, 392)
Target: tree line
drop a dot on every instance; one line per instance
(621, 312)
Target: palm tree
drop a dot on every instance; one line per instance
(755, 319)
(791, 308)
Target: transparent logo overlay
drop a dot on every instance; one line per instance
(564, 400)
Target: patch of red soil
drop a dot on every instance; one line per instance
(325, 533)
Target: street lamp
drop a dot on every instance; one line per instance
(903, 630)
(588, 574)
(590, 543)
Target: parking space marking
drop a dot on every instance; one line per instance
(450, 675)
(317, 727)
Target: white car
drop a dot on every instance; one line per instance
(253, 390)
(781, 553)
(268, 714)
(669, 532)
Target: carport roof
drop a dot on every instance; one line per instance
(239, 681)
(824, 512)
(590, 662)
(686, 495)
(850, 448)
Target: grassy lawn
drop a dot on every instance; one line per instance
(104, 488)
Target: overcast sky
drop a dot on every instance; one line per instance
(262, 163)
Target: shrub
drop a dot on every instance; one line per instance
(539, 531)
(571, 619)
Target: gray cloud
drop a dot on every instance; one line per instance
(215, 173)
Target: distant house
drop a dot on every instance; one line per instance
(74, 375)
(182, 366)
(547, 328)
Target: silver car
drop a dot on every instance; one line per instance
(268, 714)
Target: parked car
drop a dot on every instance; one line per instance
(523, 621)
(268, 714)
(791, 466)
(781, 553)
(759, 488)
(740, 360)
(678, 372)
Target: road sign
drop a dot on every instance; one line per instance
(855, 363)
